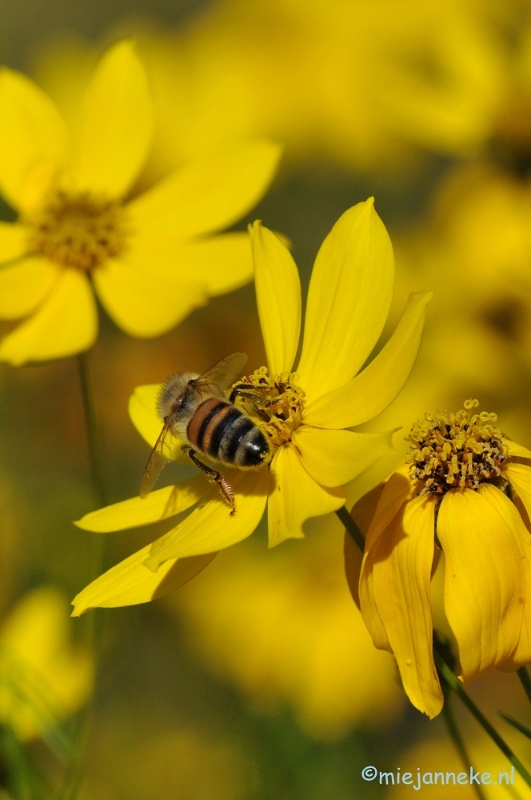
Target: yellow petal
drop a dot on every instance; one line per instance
(64, 324)
(396, 490)
(210, 527)
(362, 514)
(334, 458)
(348, 300)
(517, 450)
(211, 192)
(115, 130)
(400, 565)
(130, 582)
(278, 294)
(522, 653)
(371, 615)
(483, 586)
(161, 504)
(519, 476)
(143, 411)
(142, 302)
(24, 285)
(33, 137)
(294, 497)
(220, 263)
(13, 242)
(370, 392)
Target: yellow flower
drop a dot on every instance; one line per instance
(42, 679)
(450, 494)
(310, 410)
(149, 257)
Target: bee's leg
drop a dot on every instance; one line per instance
(214, 476)
(249, 391)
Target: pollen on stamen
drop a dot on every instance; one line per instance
(275, 403)
(79, 230)
(456, 450)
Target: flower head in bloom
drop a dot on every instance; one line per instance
(307, 418)
(150, 258)
(465, 489)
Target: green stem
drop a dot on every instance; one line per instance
(449, 677)
(525, 680)
(457, 739)
(74, 774)
(351, 527)
(93, 437)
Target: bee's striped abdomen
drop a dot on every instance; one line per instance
(223, 432)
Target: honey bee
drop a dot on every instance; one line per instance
(196, 410)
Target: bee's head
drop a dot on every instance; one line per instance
(173, 392)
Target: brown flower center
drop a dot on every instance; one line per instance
(275, 403)
(456, 451)
(78, 230)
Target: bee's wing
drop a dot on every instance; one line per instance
(223, 374)
(156, 461)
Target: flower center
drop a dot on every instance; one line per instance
(456, 451)
(79, 230)
(274, 403)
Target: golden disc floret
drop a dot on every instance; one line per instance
(79, 230)
(275, 403)
(456, 450)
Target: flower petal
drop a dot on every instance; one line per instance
(116, 124)
(220, 263)
(13, 242)
(24, 285)
(130, 582)
(294, 497)
(348, 300)
(160, 504)
(522, 654)
(395, 492)
(209, 193)
(143, 411)
(370, 392)
(483, 583)
(516, 450)
(334, 458)
(33, 139)
(64, 324)
(278, 294)
(142, 302)
(362, 513)
(519, 476)
(210, 527)
(400, 564)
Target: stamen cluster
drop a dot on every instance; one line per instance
(276, 403)
(456, 450)
(78, 230)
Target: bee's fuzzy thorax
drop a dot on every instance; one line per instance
(173, 386)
